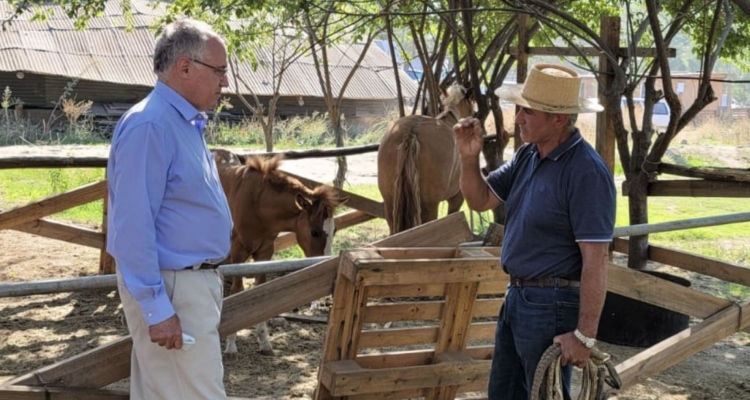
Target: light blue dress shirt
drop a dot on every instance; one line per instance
(166, 207)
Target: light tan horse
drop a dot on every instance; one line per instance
(418, 164)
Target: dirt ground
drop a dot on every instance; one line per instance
(38, 330)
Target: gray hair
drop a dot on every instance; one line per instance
(572, 119)
(185, 37)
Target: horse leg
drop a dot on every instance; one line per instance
(455, 202)
(388, 213)
(429, 212)
(261, 329)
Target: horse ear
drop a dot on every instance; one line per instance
(342, 200)
(468, 93)
(443, 92)
(302, 202)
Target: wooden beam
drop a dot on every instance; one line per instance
(52, 205)
(680, 346)
(660, 292)
(694, 188)
(94, 368)
(111, 362)
(346, 378)
(65, 232)
(18, 392)
(710, 173)
(693, 262)
(605, 128)
(588, 51)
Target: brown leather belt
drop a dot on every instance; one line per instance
(544, 282)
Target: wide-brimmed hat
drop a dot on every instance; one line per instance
(550, 88)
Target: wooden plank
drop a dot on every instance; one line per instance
(412, 238)
(693, 262)
(744, 324)
(18, 392)
(65, 232)
(351, 382)
(351, 260)
(710, 173)
(477, 386)
(397, 337)
(424, 310)
(497, 287)
(453, 331)
(679, 346)
(446, 270)
(355, 201)
(94, 368)
(111, 362)
(694, 188)
(52, 205)
(416, 357)
(662, 293)
(351, 218)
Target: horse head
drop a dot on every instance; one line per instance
(459, 97)
(316, 207)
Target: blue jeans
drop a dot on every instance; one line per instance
(529, 319)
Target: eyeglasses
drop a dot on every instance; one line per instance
(221, 71)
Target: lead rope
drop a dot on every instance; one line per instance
(597, 371)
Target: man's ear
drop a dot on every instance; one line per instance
(561, 119)
(182, 66)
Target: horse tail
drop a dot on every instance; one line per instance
(407, 210)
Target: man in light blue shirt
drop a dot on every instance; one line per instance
(168, 220)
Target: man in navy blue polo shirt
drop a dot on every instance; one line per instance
(560, 202)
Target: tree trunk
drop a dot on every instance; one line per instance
(338, 182)
(637, 196)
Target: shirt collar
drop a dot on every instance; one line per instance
(182, 106)
(565, 146)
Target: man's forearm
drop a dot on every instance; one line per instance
(473, 186)
(593, 291)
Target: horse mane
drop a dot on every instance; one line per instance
(324, 195)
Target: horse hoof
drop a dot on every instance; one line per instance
(267, 353)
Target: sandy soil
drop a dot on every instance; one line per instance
(38, 330)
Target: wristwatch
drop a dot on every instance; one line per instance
(587, 341)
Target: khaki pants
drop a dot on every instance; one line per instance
(195, 372)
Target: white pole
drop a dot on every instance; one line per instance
(110, 281)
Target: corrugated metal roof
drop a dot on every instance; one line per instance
(106, 52)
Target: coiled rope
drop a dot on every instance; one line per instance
(597, 371)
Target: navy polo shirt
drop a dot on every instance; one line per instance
(551, 204)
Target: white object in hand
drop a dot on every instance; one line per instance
(187, 341)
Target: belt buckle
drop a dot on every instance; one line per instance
(518, 282)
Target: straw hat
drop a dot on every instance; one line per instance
(550, 88)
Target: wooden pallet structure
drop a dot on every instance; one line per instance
(408, 323)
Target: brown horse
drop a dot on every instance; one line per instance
(265, 202)
(419, 166)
